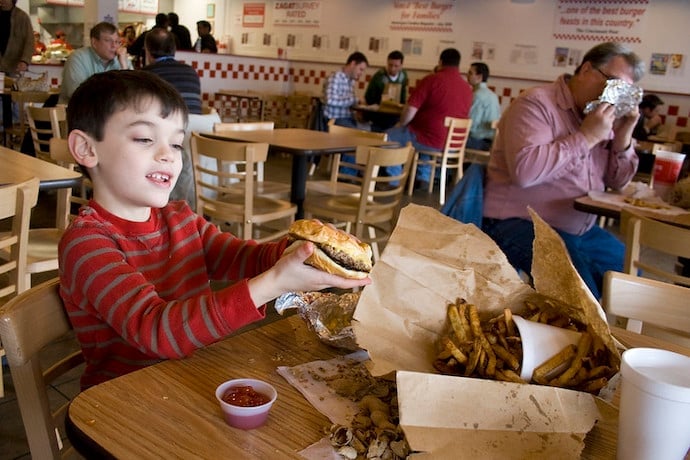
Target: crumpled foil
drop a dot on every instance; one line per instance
(328, 315)
(624, 96)
(680, 196)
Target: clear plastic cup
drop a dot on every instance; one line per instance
(654, 416)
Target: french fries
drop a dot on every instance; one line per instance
(493, 349)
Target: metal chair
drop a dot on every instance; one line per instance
(228, 195)
(451, 157)
(16, 202)
(374, 206)
(28, 323)
(657, 308)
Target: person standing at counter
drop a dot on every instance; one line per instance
(135, 267)
(441, 94)
(549, 152)
(16, 38)
(485, 108)
(105, 53)
(206, 43)
(392, 78)
(183, 39)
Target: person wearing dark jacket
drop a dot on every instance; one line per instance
(205, 43)
(183, 39)
(137, 49)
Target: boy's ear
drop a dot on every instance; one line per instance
(81, 145)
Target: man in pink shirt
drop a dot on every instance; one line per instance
(437, 96)
(548, 152)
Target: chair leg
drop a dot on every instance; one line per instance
(374, 243)
(413, 174)
(442, 186)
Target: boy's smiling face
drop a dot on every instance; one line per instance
(136, 165)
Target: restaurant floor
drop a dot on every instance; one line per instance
(13, 444)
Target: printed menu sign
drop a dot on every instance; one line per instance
(297, 14)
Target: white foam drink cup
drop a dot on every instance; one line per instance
(654, 416)
(667, 166)
(540, 342)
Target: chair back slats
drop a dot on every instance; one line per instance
(16, 202)
(642, 232)
(44, 124)
(225, 177)
(646, 302)
(28, 323)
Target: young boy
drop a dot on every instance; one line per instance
(134, 268)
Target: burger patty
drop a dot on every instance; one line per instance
(344, 259)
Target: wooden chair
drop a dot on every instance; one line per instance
(341, 183)
(24, 99)
(263, 188)
(16, 202)
(44, 124)
(481, 156)
(452, 156)
(298, 107)
(644, 233)
(662, 307)
(226, 202)
(28, 323)
(370, 208)
(275, 110)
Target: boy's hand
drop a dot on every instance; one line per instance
(291, 274)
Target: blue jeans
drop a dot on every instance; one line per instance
(593, 253)
(402, 135)
(347, 122)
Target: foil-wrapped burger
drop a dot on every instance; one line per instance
(621, 94)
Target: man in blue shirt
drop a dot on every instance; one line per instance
(485, 108)
(105, 53)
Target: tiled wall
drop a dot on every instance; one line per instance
(275, 76)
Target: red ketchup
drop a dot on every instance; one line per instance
(245, 396)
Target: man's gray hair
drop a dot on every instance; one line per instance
(604, 52)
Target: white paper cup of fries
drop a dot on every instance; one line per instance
(540, 342)
(654, 419)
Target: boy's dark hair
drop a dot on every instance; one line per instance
(396, 55)
(103, 94)
(357, 57)
(481, 69)
(160, 43)
(650, 101)
(450, 57)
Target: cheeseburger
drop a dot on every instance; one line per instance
(335, 251)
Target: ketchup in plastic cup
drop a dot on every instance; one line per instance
(246, 402)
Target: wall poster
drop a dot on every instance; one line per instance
(601, 21)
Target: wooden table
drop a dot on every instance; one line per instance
(587, 204)
(300, 144)
(169, 410)
(16, 167)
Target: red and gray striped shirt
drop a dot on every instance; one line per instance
(138, 292)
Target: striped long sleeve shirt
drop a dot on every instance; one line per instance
(138, 292)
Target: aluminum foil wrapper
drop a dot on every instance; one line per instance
(328, 315)
(624, 96)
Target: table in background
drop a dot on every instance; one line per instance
(600, 208)
(300, 144)
(169, 410)
(17, 167)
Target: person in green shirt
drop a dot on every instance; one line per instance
(392, 81)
